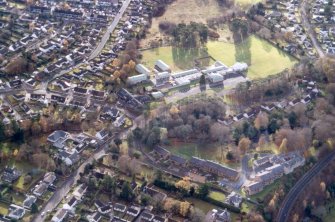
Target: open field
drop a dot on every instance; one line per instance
(217, 196)
(254, 51)
(211, 151)
(183, 11)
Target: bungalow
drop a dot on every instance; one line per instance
(102, 134)
(162, 152)
(119, 208)
(17, 83)
(80, 90)
(70, 204)
(159, 219)
(268, 107)
(146, 216)
(306, 100)
(19, 97)
(49, 178)
(16, 212)
(64, 85)
(133, 211)
(80, 191)
(28, 202)
(294, 102)
(58, 99)
(58, 135)
(234, 199)
(96, 217)
(238, 117)
(220, 215)
(10, 175)
(60, 215)
(72, 159)
(40, 189)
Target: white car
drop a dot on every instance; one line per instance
(43, 213)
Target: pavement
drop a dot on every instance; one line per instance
(309, 28)
(110, 29)
(298, 188)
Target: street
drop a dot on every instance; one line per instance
(309, 29)
(109, 30)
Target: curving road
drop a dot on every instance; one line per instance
(110, 29)
(299, 187)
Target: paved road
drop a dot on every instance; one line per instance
(298, 188)
(66, 186)
(110, 29)
(309, 28)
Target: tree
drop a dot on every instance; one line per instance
(126, 192)
(183, 131)
(292, 118)
(219, 132)
(244, 145)
(229, 156)
(261, 121)
(202, 82)
(109, 184)
(34, 208)
(192, 191)
(184, 208)
(203, 191)
(197, 215)
(117, 142)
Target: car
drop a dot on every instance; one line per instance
(43, 213)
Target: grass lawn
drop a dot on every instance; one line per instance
(256, 52)
(217, 196)
(202, 205)
(3, 209)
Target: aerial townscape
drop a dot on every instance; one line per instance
(167, 110)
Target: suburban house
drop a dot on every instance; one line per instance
(16, 212)
(28, 202)
(234, 199)
(10, 175)
(60, 215)
(218, 215)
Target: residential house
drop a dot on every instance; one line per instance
(40, 189)
(29, 201)
(60, 215)
(58, 135)
(220, 215)
(16, 212)
(234, 199)
(102, 134)
(137, 79)
(96, 217)
(146, 216)
(10, 175)
(70, 205)
(80, 191)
